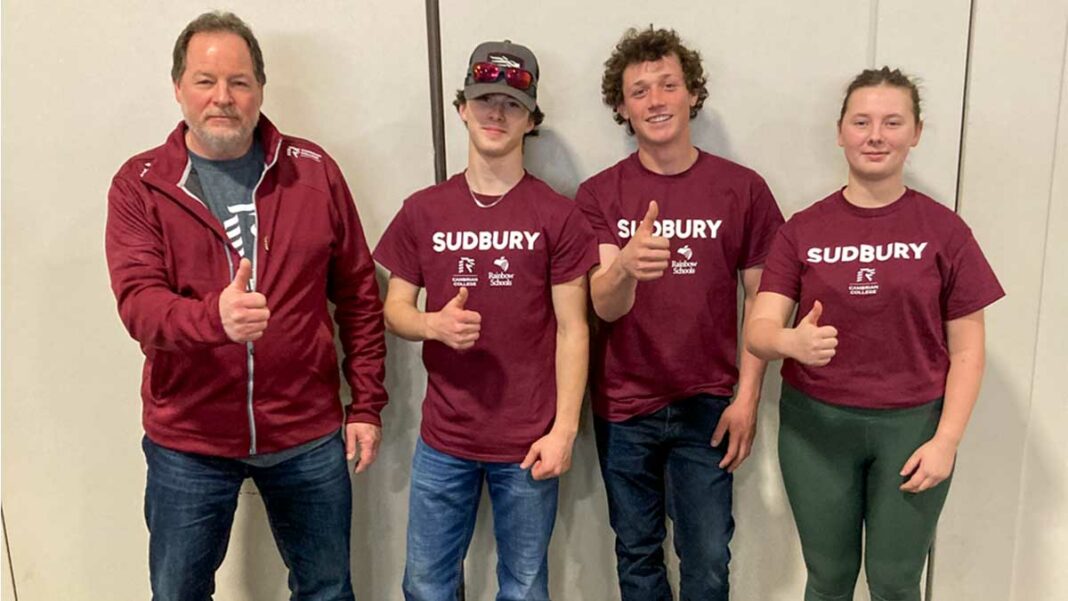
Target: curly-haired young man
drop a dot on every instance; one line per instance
(677, 228)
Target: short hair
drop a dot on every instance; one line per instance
(213, 22)
(537, 116)
(651, 45)
(870, 78)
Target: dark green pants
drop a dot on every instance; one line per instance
(841, 468)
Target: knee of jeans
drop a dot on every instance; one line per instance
(422, 582)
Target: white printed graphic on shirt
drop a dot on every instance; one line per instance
(233, 225)
(682, 229)
(866, 253)
(866, 285)
(687, 266)
(502, 277)
(465, 273)
(500, 240)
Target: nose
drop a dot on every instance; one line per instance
(875, 135)
(497, 110)
(222, 95)
(656, 98)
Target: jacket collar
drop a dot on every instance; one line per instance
(170, 163)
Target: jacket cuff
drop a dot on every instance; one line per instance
(362, 415)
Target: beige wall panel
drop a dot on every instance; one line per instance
(776, 72)
(1016, 69)
(85, 87)
(1042, 526)
(913, 37)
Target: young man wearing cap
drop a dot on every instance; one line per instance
(677, 229)
(504, 260)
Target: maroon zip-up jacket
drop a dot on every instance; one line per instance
(169, 260)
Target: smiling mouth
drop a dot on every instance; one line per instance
(658, 119)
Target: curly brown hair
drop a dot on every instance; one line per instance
(650, 45)
(537, 116)
(870, 78)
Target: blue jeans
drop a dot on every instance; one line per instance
(441, 518)
(189, 508)
(663, 464)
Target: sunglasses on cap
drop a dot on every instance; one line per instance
(520, 79)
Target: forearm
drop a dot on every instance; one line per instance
(612, 291)
(750, 368)
(406, 320)
(572, 357)
(962, 390)
(766, 340)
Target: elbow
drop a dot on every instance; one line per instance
(389, 319)
(606, 311)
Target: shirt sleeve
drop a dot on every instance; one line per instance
(574, 251)
(353, 289)
(970, 283)
(397, 250)
(153, 313)
(595, 217)
(782, 267)
(763, 220)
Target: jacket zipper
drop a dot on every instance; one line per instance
(249, 350)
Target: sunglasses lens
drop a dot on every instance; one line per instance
(485, 72)
(518, 78)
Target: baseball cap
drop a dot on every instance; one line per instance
(504, 55)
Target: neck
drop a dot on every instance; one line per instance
(493, 176)
(668, 159)
(874, 193)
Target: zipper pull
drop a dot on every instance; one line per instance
(266, 244)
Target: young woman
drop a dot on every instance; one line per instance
(883, 363)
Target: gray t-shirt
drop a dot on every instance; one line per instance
(226, 188)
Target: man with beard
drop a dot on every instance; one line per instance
(225, 245)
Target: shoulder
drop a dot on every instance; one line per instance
(608, 176)
(723, 167)
(815, 213)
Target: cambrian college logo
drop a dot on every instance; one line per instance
(465, 270)
(865, 284)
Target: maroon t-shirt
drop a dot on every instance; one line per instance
(681, 336)
(888, 278)
(492, 401)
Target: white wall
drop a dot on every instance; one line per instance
(86, 86)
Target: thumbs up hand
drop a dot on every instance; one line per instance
(646, 256)
(453, 325)
(814, 344)
(244, 314)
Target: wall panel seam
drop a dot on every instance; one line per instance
(7, 551)
(964, 106)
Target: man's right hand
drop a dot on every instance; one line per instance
(646, 256)
(244, 314)
(453, 325)
(814, 344)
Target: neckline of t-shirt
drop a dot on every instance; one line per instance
(701, 157)
(244, 161)
(491, 201)
(895, 206)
